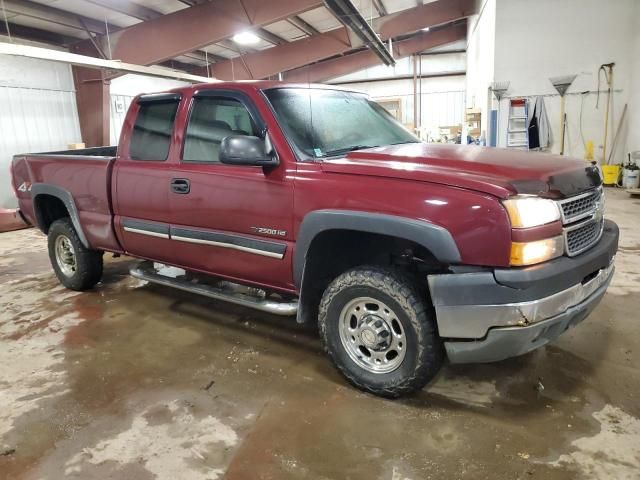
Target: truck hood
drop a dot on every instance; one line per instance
(497, 171)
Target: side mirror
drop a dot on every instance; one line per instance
(246, 150)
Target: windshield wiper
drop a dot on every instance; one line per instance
(340, 151)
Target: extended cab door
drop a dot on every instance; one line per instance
(142, 177)
(233, 221)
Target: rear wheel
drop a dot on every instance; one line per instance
(76, 267)
(380, 332)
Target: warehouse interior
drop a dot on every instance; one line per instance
(140, 381)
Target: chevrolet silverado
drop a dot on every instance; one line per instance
(312, 201)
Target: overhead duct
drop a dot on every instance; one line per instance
(349, 15)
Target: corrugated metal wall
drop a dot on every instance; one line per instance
(442, 108)
(37, 113)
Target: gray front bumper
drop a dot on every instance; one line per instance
(491, 315)
(506, 342)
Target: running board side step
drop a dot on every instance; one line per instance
(146, 271)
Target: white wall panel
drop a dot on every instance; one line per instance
(431, 65)
(514, 41)
(118, 115)
(481, 35)
(37, 113)
(633, 139)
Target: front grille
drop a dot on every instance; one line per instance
(581, 237)
(582, 220)
(580, 206)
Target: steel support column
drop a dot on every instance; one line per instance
(92, 99)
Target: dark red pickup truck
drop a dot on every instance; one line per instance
(312, 201)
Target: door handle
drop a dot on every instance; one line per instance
(180, 185)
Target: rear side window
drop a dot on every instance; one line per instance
(212, 119)
(152, 130)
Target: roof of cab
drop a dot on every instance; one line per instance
(257, 85)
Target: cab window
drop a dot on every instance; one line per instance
(151, 137)
(211, 120)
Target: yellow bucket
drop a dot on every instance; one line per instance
(610, 174)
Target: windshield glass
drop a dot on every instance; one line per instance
(324, 123)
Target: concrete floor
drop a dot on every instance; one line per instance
(132, 381)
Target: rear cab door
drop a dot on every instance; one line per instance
(229, 220)
(142, 177)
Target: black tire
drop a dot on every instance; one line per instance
(424, 353)
(87, 270)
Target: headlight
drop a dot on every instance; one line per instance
(525, 212)
(529, 253)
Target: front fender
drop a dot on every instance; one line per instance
(433, 237)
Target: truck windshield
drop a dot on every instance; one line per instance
(324, 123)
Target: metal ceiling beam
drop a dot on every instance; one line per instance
(201, 56)
(166, 37)
(36, 34)
(56, 15)
(349, 15)
(260, 32)
(140, 12)
(178, 65)
(346, 64)
(379, 6)
(303, 26)
(234, 47)
(427, 15)
(127, 7)
(144, 13)
(270, 62)
(93, 40)
(192, 28)
(270, 37)
(95, 63)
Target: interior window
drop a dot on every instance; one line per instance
(211, 120)
(151, 137)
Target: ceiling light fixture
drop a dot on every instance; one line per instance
(246, 38)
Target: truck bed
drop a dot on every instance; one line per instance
(85, 174)
(109, 151)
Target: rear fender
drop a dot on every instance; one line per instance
(66, 198)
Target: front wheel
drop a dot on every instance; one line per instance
(379, 332)
(76, 267)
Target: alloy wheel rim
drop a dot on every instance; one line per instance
(372, 335)
(65, 256)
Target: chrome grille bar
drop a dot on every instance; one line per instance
(582, 217)
(580, 206)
